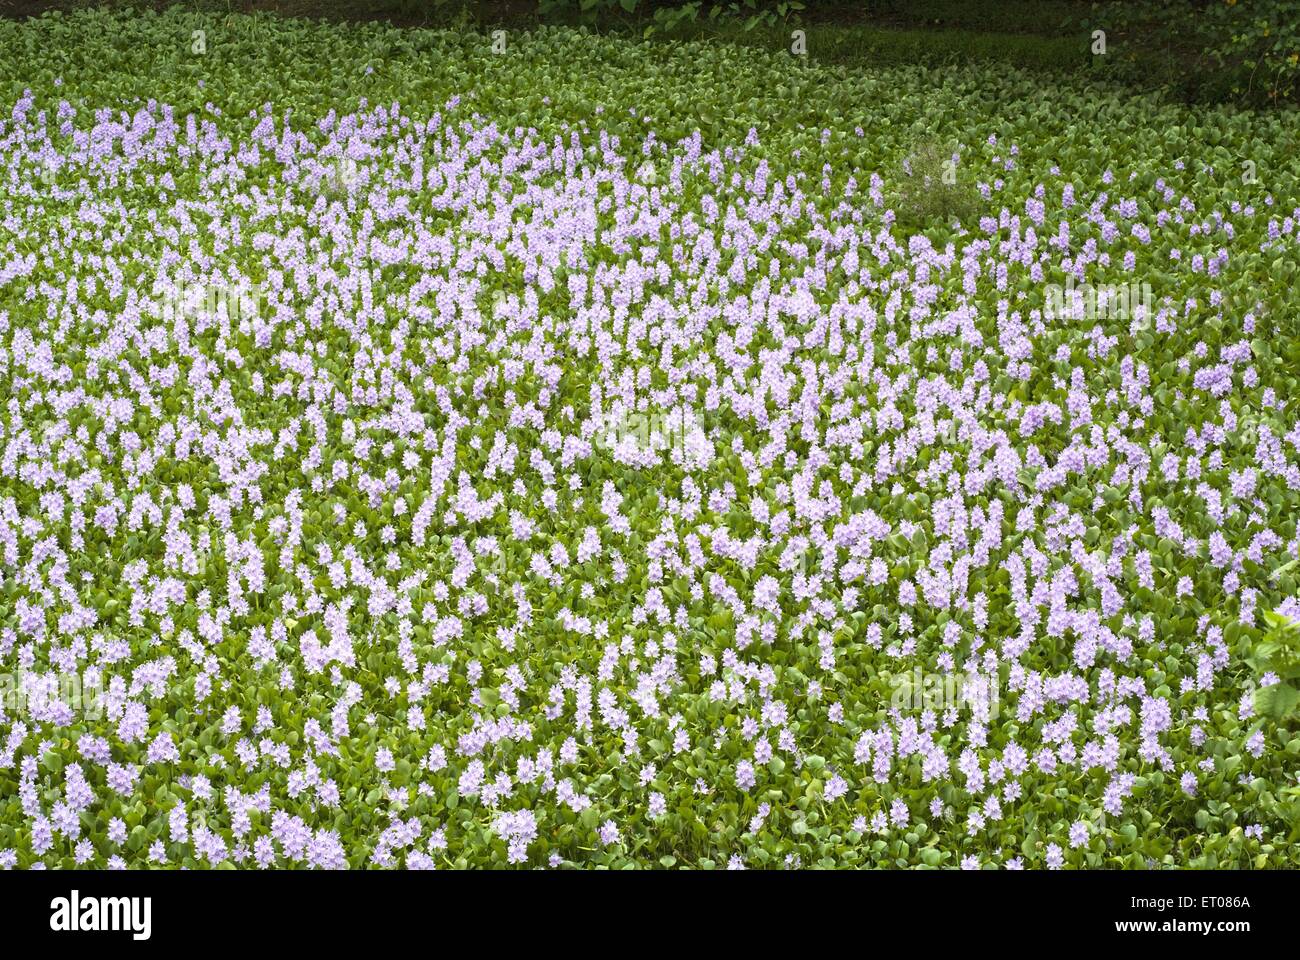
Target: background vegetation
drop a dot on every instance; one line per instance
(1242, 51)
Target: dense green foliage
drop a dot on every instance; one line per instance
(966, 158)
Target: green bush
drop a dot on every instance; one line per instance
(1245, 50)
(1262, 38)
(932, 191)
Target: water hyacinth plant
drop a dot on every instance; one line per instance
(427, 456)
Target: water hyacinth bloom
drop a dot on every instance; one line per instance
(421, 480)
